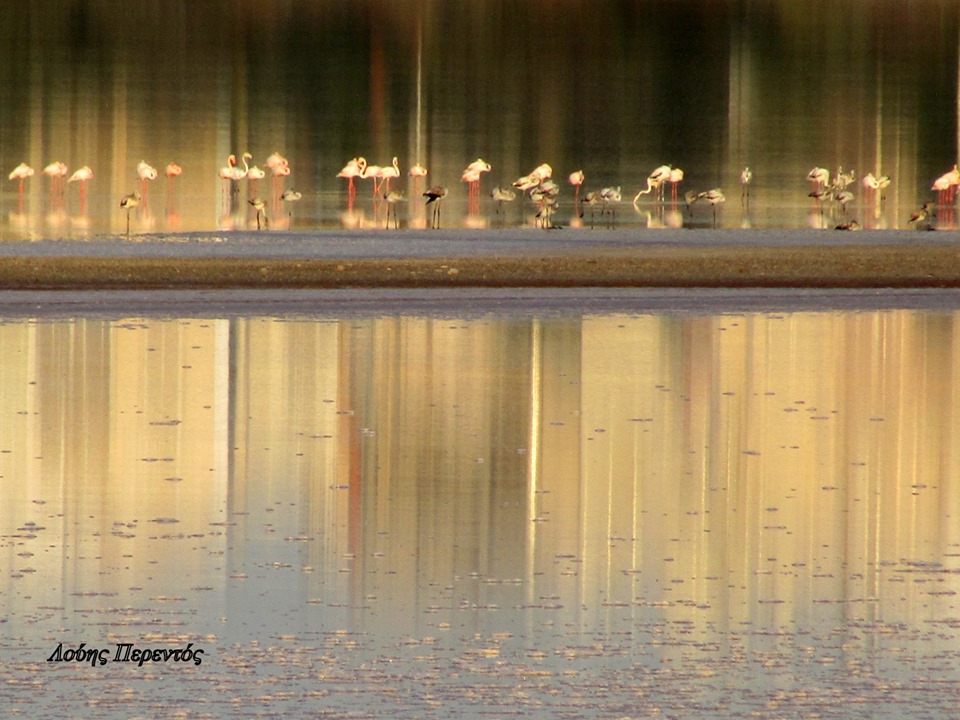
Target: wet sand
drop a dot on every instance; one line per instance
(706, 260)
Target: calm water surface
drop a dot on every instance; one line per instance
(613, 88)
(508, 514)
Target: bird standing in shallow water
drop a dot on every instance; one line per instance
(714, 197)
(610, 197)
(576, 179)
(393, 197)
(21, 172)
(502, 195)
(82, 176)
(746, 177)
(260, 207)
(128, 203)
(435, 195)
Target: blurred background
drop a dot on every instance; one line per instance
(613, 88)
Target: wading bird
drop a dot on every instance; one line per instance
(714, 197)
(435, 195)
(502, 195)
(922, 219)
(393, 197)
(21, 172)
(56, 171)
(128, 203)
(610, 197)
(576, 179)
(261, 207)
(354, 168)
(388, 173)
(81, 176)
(746, 177)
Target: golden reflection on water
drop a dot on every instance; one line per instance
(604, 486)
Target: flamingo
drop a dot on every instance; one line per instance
(145, 172)
(372, 172)
(471, 176)
(542, 172)
(226, 172)
(237, 174)
(819, 176)
(417, 170)
(128, 203)
(674, 178)
(253, 175)
(21, 172)
(527, 182)
(576, 179)
(843, 198)
(389, 172)
(56, 171)
(945, 185)
(82, 176)
(276, 160)
(354, 168)
(435, 195)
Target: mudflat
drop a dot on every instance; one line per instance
(697, 259)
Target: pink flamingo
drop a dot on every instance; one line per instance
(21, 172)
(675, 178)
(946, 185)
(172, 171)
(255, 174)
(146, 173)
(576, 179)
(354, 168)
(388, 173)
(56, 171)
(373, 173)
(471, 176)
(226, 172)
(82, 175)
(280, 171)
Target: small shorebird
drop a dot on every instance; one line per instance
(922, 219)
(393, 197)
(128, 203)
(502, 195)
(714, 196)
(290, 196)
(435, 195)
(610, 197)
(746, 177)
(260, 206)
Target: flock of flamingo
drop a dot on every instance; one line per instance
(831, 192)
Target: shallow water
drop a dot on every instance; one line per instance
(616, 89)
(669, 503)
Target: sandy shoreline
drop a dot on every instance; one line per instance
(906, 260)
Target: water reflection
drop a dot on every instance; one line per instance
(592, 87)
(681, 513)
